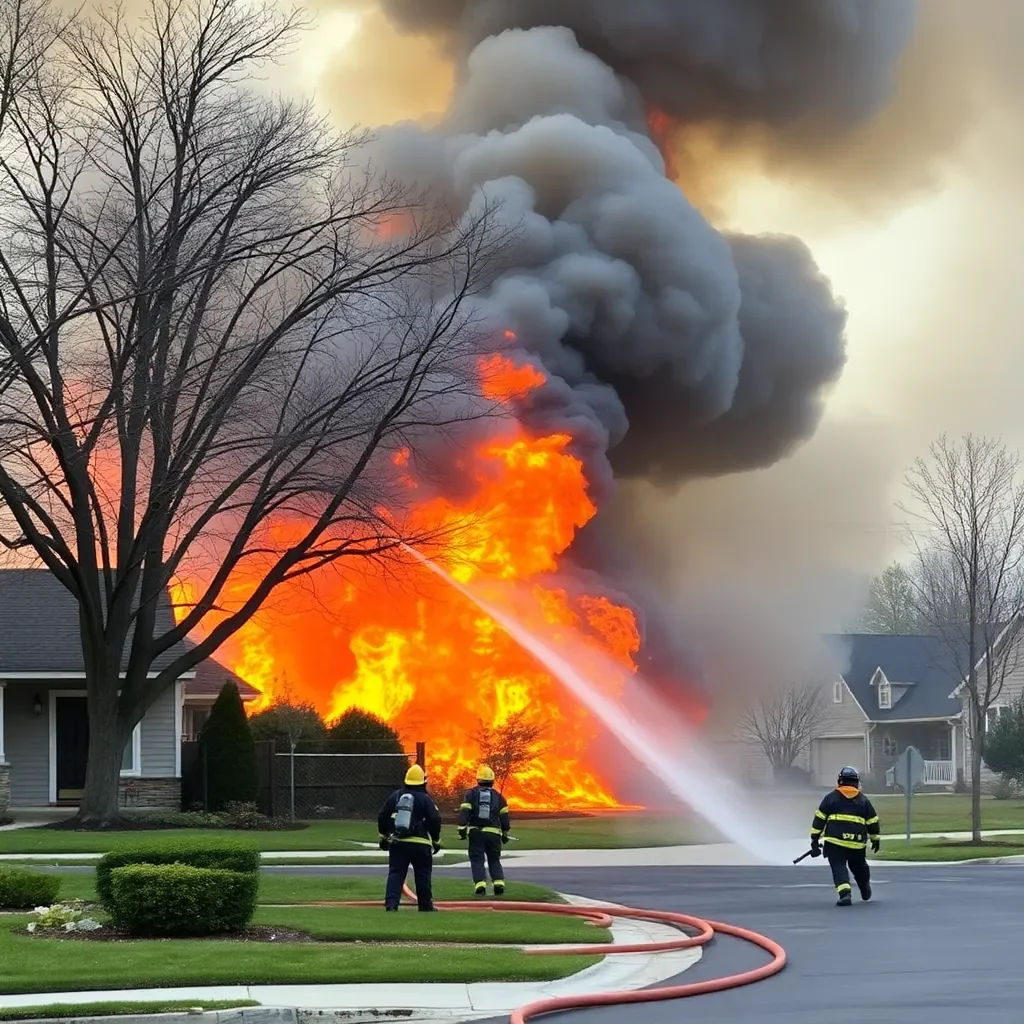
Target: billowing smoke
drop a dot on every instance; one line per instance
(680, 351)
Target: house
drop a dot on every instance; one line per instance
(44, 729)
(896, 692)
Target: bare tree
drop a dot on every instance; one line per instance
(970, 573)
(892, 603)
(784, 722)
(217, 335)
(511, 747)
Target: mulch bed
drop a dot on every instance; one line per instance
(255, 933)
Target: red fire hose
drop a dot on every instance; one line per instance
(601, 917)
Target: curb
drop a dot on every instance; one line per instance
(348, 1003)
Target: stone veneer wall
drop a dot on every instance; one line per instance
(5, 788)
(150, 794)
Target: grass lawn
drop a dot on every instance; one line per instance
(948, 812)
(371, 924)
(112, 1009)
(281, 888)
(599, 832)
(53, 965)
(939, 850)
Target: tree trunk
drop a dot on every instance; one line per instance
(975, 794)
(107, 740)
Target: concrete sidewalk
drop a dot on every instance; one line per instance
(625, 972)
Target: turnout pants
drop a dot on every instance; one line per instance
(484, 857)
(844, 862)
(402, 856)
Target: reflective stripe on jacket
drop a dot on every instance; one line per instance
(845, 817)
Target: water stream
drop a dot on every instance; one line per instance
(685, 767)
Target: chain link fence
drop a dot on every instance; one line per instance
(305, 786)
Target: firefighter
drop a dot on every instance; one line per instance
(409, 828)
(483, 816)
(845, 822)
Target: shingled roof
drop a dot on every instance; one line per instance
(39, 634)
(926, 665)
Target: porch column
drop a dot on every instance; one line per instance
(952, 749)
(3, 756)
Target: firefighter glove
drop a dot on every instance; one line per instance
(437, 847)
(815, 847)
(463, 831)
(383, 844)
(875, 844)
(504, 838)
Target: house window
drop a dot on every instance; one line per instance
(131, 759)
(195, 719)
(993, 714)
(942, 747)
(837, 693)
(884, 694)
(889, 748)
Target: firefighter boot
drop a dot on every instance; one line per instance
(499, 889)
(845, 897)
(865, 891)
(480, 891)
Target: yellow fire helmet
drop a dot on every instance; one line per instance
(484, 774)
(415, 776)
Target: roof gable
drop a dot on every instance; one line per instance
(40, 630)
(923, 665)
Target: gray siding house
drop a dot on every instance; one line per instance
(44, 730)
(898, 691)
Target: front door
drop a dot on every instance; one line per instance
(71, 726)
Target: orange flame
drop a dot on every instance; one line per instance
(423, 658)
(662, 129)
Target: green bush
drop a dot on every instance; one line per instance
(286, 722)
(175, 899)
(21, 889)
(230, 752)
(227, 855)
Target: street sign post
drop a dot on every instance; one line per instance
(909, 773)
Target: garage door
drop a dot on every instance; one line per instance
(832, 754)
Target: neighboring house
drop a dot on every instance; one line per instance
(44, 728)
(896, 692)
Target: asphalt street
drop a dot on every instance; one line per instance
(936, 945)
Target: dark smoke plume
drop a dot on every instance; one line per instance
(736, 61)
(678, 351)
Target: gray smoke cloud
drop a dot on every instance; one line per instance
(673, 351)
(764, 61)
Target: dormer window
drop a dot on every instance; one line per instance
(884, 694)
(837, 693)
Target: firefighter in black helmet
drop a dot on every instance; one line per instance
(483, 816)
(409, 828)
(845, 822)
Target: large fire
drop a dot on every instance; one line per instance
(406, 647)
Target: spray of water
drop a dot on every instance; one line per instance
(686, 768)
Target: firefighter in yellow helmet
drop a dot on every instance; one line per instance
(484, 818)
(409, 828)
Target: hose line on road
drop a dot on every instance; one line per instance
(601, 916)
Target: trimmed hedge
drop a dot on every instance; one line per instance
(226, 854)
(21, 889)
(175, 899)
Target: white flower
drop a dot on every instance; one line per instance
(87, 924)
(69, 926)
(31, 926)
(40, 910)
